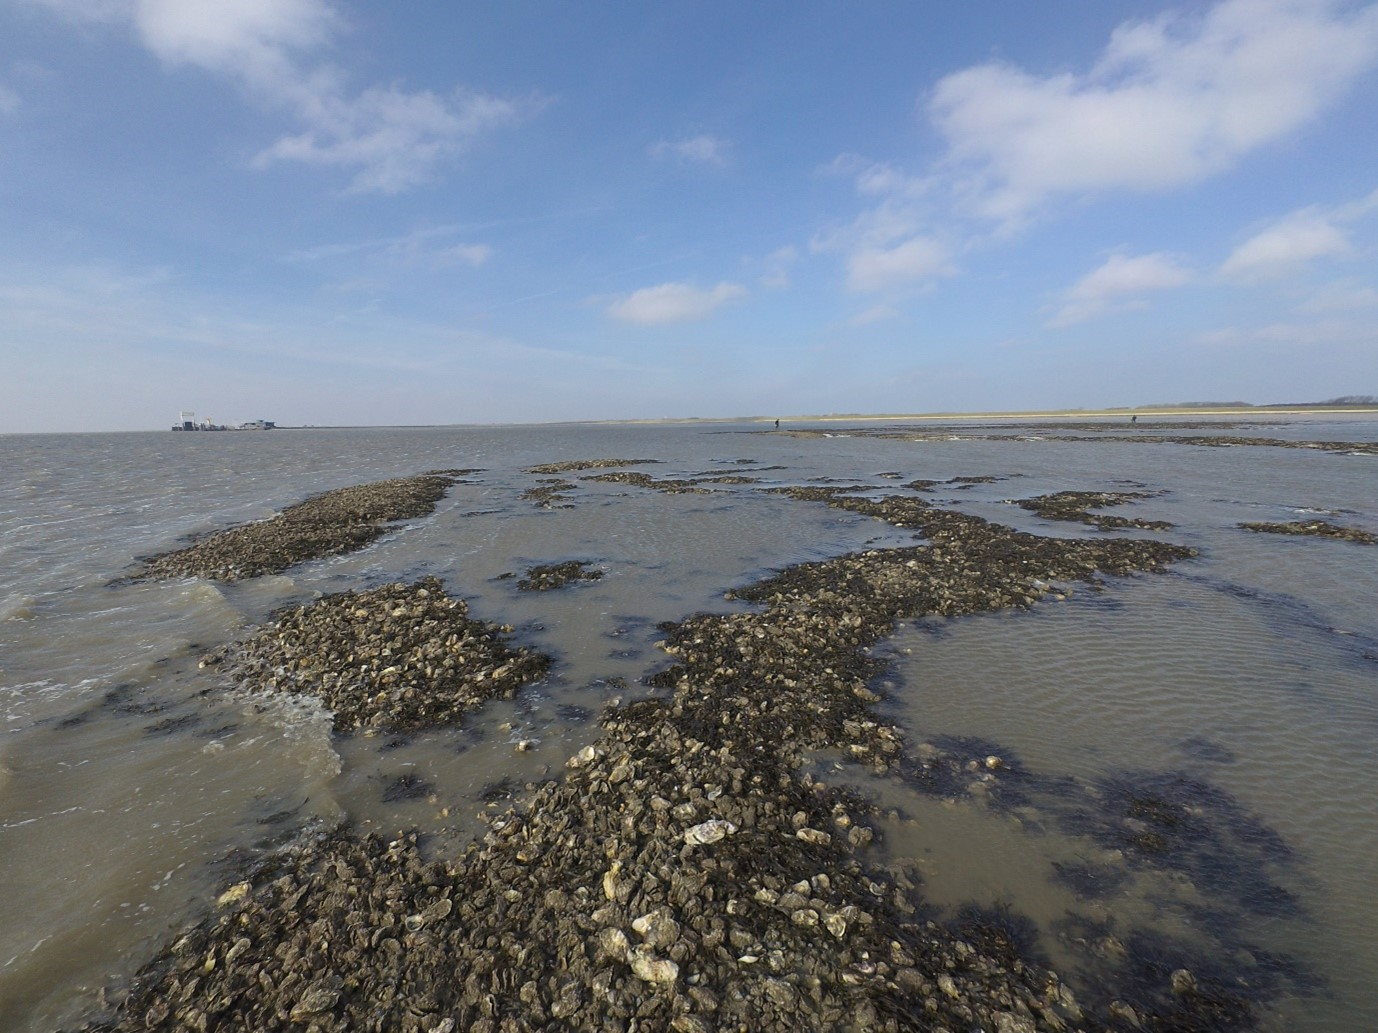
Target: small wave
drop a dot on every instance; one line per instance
(201, 593)
(304, 722)
(18, 607)
(23, 704)
(41, 817)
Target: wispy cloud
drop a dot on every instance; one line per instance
(919, 259)
(1299, 238)
(777, 265)
(1167, 103)
(429, 247)
(1118, 284)
(469, 254)
(875, 314)
(1170, 102)
(1287, 246)
(393, 139)
(1294, 335)
(890, 247)
(878, 178)
(673, 303)
(1344, 296)
(700, 150)
(389, 138)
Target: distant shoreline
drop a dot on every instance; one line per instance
(1035, 414)
(933, 417)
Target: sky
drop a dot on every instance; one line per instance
(331, 212)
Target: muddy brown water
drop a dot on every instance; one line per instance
(131, 779)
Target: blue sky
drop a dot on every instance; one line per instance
(332, 212)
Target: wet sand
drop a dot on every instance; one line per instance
(1098, 432)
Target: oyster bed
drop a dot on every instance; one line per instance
(1077, 506)
(329, 524)
(1316, 529)
(586, 464)
(672, 485)
(395, 658)
(549, 576)
(686, 873)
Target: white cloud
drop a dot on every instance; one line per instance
(1222, 337)
(777, 267)
(1116, 285)
(252, 38)
(880, 227)
(1297, 239)
(875, 314)
(673, 303)
(878, 178)
(703, 150)
(472, 254)
(89, 11)
(390, 138)
(394, 138)
(1295, 335)
(1170, 102)
(421, 248)
(1344, 296)
(1287, 246)
(914, 261)
(886, 246)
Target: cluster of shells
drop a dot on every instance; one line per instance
(685, 873)
(1077, 506)
(329, 524)
(977, 565)
(673, 485)
(1317, 529)
(552, 493)
(548, 576)
(398, 657)
(661, 885)
(572, 465)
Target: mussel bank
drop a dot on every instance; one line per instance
(685, 872)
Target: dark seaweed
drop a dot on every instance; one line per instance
(407, 787)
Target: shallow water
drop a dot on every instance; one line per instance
(128, 775)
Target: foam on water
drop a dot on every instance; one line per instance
(18, 606)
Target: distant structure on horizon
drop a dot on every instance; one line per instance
(186, 420)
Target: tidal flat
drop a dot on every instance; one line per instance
(737, 818)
